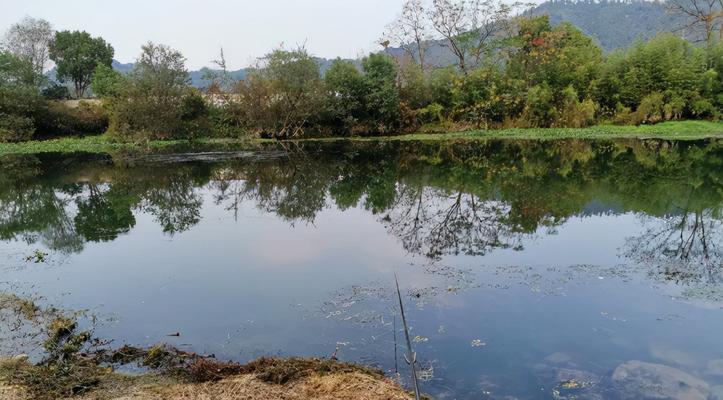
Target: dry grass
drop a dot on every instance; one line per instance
(336, 386)
(266, 378)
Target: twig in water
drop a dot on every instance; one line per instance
(394, 327)
(411, 356)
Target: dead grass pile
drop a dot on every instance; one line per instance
(331, 386)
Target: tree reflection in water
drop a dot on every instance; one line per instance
(437, 198)
(684, 248)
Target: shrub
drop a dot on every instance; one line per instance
(432, 113)
(56, 92)
(194, 116)
(153, 100)
(650, 109)
(15, 128)
(703, 108)
(58, 118)
(539, 107)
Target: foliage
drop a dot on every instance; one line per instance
(107, 82)
(525, 72)
(283, 97)
(666, 72)
(76, 55)
(614, 24)
(63, 119)
(382, 95)
(56, 91)
(155, 102)
(19, 98)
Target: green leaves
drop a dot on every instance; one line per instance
(76, 55)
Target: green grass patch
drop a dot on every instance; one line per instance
(678, 130)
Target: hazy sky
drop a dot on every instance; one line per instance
(246, 29)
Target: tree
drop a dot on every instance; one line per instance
(346, 89)
(705, 16)
(558, 66)
(558, 57)
(382, 94)
(449, 20)
(19, 98)
(666, 65)
(30, 39)
(156, 101)
(284, 96)
(410, 31)
(107, 82)
(468, 27)
(221, 81)
(77, 55)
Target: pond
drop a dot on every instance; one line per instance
(529, 269)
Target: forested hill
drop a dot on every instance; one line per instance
(614, 24)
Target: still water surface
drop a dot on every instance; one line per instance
(523, 264)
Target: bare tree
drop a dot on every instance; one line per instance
(30, 39)
(410, 31)
(450, 21)
(468, 27)
(488, 20)
(704, 16)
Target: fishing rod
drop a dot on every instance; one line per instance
(411, 356)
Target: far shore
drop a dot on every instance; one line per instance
(678, 130)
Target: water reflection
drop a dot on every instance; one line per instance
(438, 199)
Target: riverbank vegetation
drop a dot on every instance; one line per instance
(672, 130)
(510, 72)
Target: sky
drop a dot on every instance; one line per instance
(246, 29)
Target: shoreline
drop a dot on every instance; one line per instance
(287, 378)
(679, 130)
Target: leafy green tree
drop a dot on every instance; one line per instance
(155, 102)
(107, 82)
(558, 57)
(19, 98)
(667, 65)
(284, 95)
(442, 82)
(382, 97)
(346, 88)
(550, 60)
(77, 55)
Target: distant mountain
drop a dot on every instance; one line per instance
(197, 77)
(614, 24)
(122, 68)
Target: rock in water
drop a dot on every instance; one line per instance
(639, 380)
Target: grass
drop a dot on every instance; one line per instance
(678, 130)
(89, 144)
